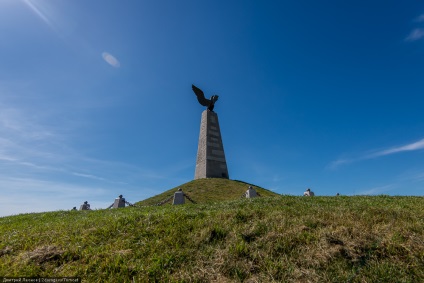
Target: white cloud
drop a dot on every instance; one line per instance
(111, 60)
(415, 35)
(408, 147)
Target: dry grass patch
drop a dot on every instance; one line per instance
(43, 254)
(5, 251)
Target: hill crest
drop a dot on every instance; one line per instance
(209, 190)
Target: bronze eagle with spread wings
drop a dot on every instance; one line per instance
(210, 103)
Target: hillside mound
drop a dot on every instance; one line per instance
(265, 239)
(209, 190)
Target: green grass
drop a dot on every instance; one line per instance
(209, 191)
(268, 239)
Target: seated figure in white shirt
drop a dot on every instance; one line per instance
(308, 193)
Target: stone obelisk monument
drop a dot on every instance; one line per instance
(210, 162)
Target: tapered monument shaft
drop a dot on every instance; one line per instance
(210, 161)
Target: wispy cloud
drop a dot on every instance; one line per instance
(419, 176)
(36, 9)
(88, 176)
(420, 18)
(418, 145)
(49, 12)
(44, 168)
(413, 175)
(94, 177)
(415, 35)
(26, 195)
(339, 162)
(408, 147)
(14, 121)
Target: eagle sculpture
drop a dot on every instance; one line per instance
(210, 103)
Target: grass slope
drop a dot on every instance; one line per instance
(209, 191)
(269, 239)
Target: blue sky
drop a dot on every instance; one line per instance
(96, 99)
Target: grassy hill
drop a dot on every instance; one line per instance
(209, 191)
(268, 239)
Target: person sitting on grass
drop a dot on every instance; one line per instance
(308, 193)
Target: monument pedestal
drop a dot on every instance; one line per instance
(85, 206)
(178, 198)
(210, 161)
(119, 202)
(251, 193)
